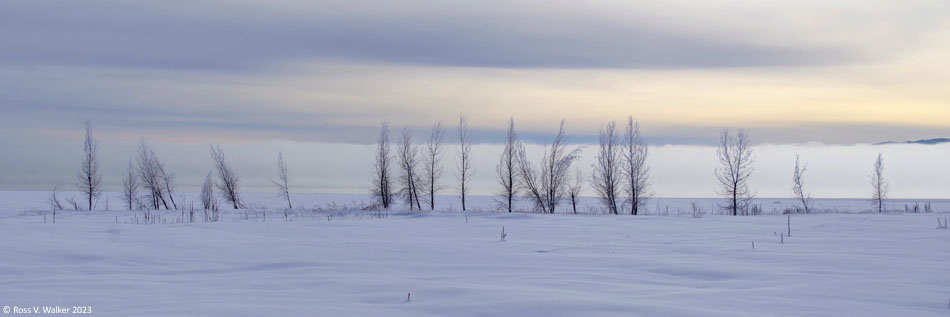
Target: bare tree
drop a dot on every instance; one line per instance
(207, 193)
(735, 168)
(382, 184)
(799, 184)
(557, 165)
(227, 177)
(464, 161)
(507, 169)
(90, 181)
(283, 187)
(548, 185)
(878, 183)
(130, 186)
(53, 200)
(574, 189)
(432, 161)
(408, 154)
(606, 176)
(168, 182)
(149, 169)
(635, 171)
(530, 179)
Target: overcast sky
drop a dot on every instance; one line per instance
(323, 74)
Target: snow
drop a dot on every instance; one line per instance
(365, 263)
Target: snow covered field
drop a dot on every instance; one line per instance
(354, 263)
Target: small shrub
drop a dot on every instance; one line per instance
(697, 210)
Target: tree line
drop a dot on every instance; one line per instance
(619, 175)
(148, 184)
(414, 173)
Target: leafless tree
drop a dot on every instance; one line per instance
(530, 179)
(207, 193)
(283, 187)
(53, 200)
(149, 169)
(408, 156)
(799, 184)
(548, 185)
(168, 182)
(432, 161)
(227, 177)
(735, 168)
(90, 181)
(635, 172)
(507, 169)
(557, 164)
(130, 186)
(382, 184)
(72, 201)
(606, 176)
(574, 189)
(879, 184)
(464, 161)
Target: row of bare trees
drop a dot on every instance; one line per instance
(736, 159)
(147, 183)
(153, 178)
(619, 177)
(546, 184)
(415, 185)
(621, 167)
(149, 174)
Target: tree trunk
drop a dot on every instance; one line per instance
(735, 203)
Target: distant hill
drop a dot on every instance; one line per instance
(927, 141)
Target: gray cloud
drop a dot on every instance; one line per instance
(154, 67)
(232, 37)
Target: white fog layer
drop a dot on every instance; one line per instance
(834, 171)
